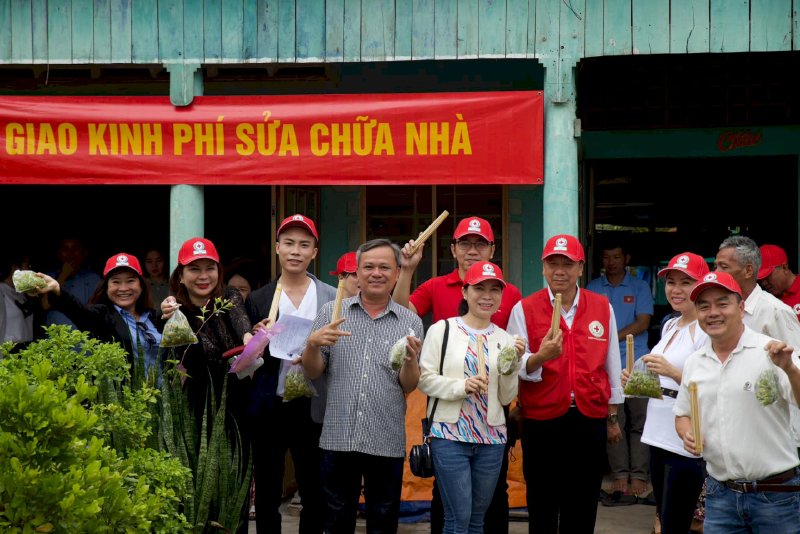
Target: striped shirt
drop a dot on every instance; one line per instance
(472, 426)
(366, 406)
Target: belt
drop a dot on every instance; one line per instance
(670, 392)
(773, 483)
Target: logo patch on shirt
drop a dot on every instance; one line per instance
(596, 329)
(796, 309)
(627, 299)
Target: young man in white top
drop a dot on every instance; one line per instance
(746, 382)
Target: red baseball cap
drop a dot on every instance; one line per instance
(346, 264)
(122, 260)
(483, 270)
(690, 264)
(716, 279)
(301, 221)
(771, 256)
(565, 245)
(474, 226)
(197, 248)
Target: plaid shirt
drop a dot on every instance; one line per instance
(366, 406)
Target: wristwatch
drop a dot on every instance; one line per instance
(611, 419)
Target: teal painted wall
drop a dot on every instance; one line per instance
(340, 217)
(525, 242)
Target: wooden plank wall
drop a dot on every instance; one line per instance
(289, 31)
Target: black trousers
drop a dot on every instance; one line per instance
(563, 460)
(288, 426)
(677, 482)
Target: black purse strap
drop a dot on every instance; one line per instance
(426, 431)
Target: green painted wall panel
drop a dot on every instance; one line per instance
(267, 17)
(250, 30)
(5, 32)
(547, 20)
(404, 18)
(492, 28)
(170, 15)
(352, 30)
(517, 28)
(531, 28)
(212, 31)
(689, 27)
(770, 25)
(525, 209)
(21, 32)
(341, 226)
(617, 35)
(373, 31)
(468, 38)
(82, 31)
(389, 25)
(310, 30)
(334, 30)
(593, 29)
(38, 30)
(571, 29)
(144, 37)
(192, 31)
(121, 31)
(796, 25)
(59, 31)
(287, 44)
(730, 26)
(231, 35)
(445, 42)
(101, 32)
(423, 30)
(650, 26)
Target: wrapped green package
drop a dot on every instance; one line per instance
(177, 331)
(767, 387)
(397, 353)
(27, 281)
(506, 360)
(297, 385)
(643, 383)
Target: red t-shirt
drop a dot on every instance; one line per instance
(443, 295)
(792, 297)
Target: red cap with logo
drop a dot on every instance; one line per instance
(474, 226)
(690, 264)
(565, 245)
(301, 221)
(346, 264)
(122, 260)
(197, 248)
(716, 279)
(771, 256)
(483, 270)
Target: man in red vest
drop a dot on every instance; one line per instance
(568, 394)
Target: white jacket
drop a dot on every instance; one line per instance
(449, 386)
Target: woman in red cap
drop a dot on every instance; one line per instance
(676, 475)
(469, 367)
(119, 310)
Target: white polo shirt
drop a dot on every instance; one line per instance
(741, 438)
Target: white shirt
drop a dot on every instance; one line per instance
(765, 313)
(676, 345)
(741, 438)
(518, 327)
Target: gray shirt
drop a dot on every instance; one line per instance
(366, 406)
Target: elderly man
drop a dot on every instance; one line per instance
(569, 393)
(776, 277)
(364, 429)
(746, 382)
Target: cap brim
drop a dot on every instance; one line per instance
(663, 272)
(483, 279)
(573, 257)
(702, 286)
(201, 257)
(118, 267)
(765, 272)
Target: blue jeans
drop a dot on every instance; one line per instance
(467, 475)
(768, 512)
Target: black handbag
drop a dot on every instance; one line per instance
(420, 459)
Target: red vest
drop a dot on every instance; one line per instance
(581, 366)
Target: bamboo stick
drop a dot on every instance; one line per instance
(556, 313)
(429, 231)
(629, 355)
(337, 304)
(273, 309)
(481, 358)
(694, 406)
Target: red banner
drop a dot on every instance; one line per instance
(366, 139)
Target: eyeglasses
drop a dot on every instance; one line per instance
(479, 245)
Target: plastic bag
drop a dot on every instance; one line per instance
(177, 331)
(297, 385)
(398, 351)
(643, 383)
(27, 281)
(246, 363)
(507, 360)
(767, 387)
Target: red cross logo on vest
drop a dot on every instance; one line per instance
(596, 329)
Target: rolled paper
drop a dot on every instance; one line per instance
(629, 352)
(556, 313)
(273, 309)
(694, 406)
(337, 304)
(429, 231)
